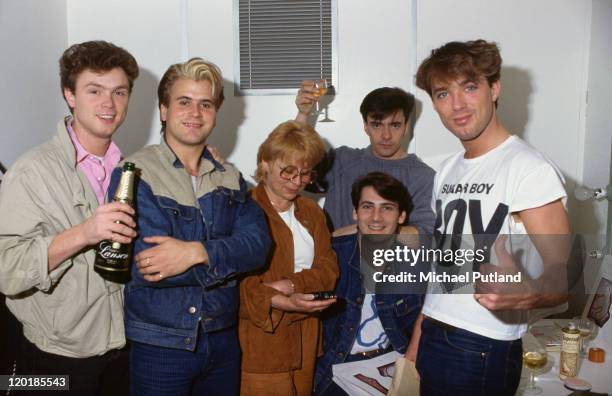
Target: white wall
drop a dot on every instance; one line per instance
(149, 30)
(590, 216)
(544, 43)
(598, 137)
(32, 39)
(368, 59)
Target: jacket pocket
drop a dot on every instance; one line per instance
(181, 217)
(226, 203)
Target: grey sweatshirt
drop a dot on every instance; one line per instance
(342, 166)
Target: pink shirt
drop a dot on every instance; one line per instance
(97, 169)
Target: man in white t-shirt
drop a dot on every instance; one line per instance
(495, 190)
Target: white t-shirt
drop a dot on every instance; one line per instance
(303, 244)
(370, 334)
(482, 193)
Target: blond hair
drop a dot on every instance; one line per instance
(290, 141)
(196, 69)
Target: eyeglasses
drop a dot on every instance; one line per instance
(290, 173)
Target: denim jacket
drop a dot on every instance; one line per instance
(397, 312)
(220, 215)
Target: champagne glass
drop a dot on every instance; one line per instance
(326, 118)
(534, 357)
(321, 88)
(585, 326)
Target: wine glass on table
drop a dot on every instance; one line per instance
(534, 357)
(321, 87)
(585, 326)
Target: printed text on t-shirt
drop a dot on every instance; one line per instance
(473, 188)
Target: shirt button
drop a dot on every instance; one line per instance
(187, 340)
(359, 300)
(192, 310)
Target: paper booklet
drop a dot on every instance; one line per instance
(371, 377)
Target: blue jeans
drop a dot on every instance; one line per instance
(212, 369)
(453, 361)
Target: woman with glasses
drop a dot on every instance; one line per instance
(280, 332)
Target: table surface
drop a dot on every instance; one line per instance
(598, 374)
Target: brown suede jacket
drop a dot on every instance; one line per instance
(271, 339)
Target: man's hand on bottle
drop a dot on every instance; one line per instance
(112, 221)
(169, 257)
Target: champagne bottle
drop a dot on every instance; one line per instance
(570, 351)
(113, 258)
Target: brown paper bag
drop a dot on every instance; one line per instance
(406, 379)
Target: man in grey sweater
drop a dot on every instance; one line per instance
(385, 113)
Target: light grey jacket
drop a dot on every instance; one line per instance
(71, 311)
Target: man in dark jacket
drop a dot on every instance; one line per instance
(198, 231)
(364, 325)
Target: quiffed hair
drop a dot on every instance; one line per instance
(387, 187)
(196, 69)
(384, 101)
(290, 141)
(97, 56)
(471, 59)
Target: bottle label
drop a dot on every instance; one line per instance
(570, 343)
(112, 259)
(109, 252)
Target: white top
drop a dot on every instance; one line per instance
(303, 244)
(482, 193)
(370, 334)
